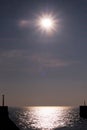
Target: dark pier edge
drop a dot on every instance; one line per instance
(5, 122)
(83, 111)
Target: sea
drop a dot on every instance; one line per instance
(47, 118)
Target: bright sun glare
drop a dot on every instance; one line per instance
(47, 23)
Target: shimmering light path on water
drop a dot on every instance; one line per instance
(45, 118)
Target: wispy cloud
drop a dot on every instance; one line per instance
(50, 61)
(25, 23)
(24, 61)
(11, 53)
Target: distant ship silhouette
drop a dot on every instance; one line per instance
(5, 122)
(83, 110)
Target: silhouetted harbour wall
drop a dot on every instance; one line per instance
(83, 111)
(5, 122)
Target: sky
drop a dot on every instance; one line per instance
(38, 67)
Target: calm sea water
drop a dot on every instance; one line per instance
(47, 118)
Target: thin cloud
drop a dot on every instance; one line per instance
(25, 23)
(21, 60)
(11, 53)
(48, 61)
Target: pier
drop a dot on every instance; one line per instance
(83, 111)
(5, 122)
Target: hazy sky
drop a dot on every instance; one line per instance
(41, 69)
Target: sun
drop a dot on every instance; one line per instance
(46, 23)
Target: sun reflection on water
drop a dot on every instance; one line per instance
(46, 117)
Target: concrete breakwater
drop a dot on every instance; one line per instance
(5, 122)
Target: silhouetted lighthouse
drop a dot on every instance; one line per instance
(3, 108)
(83, 110)
(5, 122)
(3, 100)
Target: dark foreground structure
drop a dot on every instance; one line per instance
(5, 122)
(83, 111)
